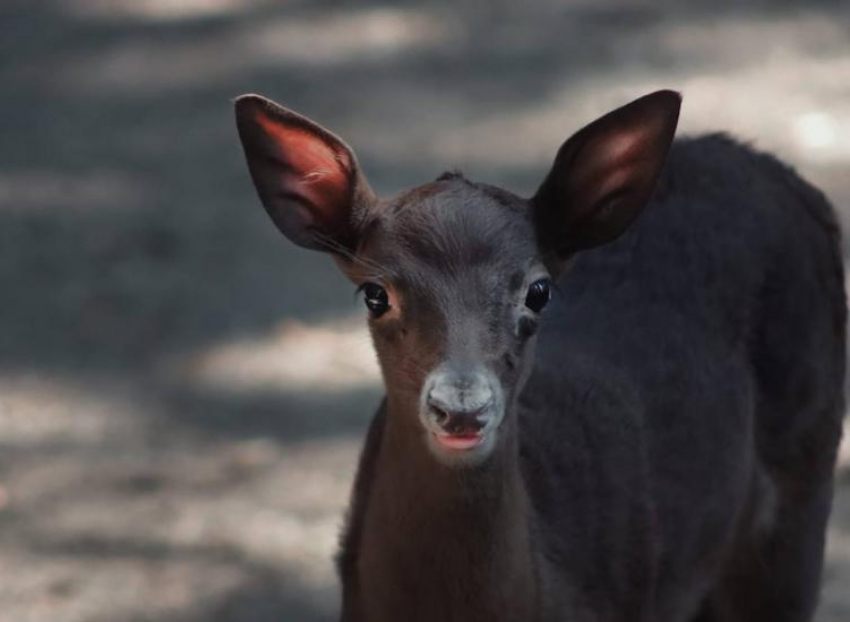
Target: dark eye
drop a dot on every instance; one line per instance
(538, 295)
(376, 299)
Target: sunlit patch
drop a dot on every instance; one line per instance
(816, 130)
(344, 36)
(765, 93)
(336, 356)
(823, 136)
(337, 39)
(158, 10)
(41, 410)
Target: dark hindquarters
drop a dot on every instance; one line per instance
(798, 355)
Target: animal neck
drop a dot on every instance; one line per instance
(447, 543)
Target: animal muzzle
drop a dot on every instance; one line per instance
(461, 400)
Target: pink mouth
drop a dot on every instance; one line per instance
(459, 442)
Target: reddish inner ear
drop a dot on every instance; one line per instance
(313, 169)
(615, 162)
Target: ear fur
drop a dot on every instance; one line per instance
(307, 178)
(605, 174)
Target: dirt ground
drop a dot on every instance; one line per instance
(182, 395)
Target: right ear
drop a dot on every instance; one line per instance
(308, 179)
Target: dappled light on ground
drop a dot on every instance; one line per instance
(785, 96)
(156, 10)
(331, 357)
(40, 412)
(339, 39)
(120, 511)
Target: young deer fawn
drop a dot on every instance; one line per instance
(584, 420)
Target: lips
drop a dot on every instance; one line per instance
(459, 442)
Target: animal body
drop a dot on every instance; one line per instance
(620, 399)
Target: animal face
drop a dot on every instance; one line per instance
(455, 286)
(455, 275)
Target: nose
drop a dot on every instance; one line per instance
(460, 405)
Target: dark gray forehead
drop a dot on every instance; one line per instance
(451, 225)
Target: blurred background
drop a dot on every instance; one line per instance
(182, 393)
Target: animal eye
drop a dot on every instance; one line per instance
(538, 295)
(376, 299)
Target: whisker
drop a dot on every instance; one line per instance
(332, 245)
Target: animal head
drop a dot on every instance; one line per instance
(455, 275)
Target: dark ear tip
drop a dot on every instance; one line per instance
(670, 94)
(667, 98)
(250, 104)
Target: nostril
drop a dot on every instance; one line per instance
(462, 423)
(458, 422)
(441, 417)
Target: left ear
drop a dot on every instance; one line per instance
(605, 174)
